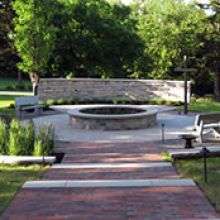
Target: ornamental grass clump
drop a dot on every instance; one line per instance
(3, 137)
(17, 142)
(22, 140)
(30, 138)
(44, 141)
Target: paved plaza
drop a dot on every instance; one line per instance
(113, 175)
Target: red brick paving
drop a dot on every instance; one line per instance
(112, 157)
(97, 148)
(141, 203)
(113, 173)
(110, 152)
(164, 203)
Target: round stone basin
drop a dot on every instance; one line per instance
(112, 117)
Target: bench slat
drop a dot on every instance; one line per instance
(29, 100)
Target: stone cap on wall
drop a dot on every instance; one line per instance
(111, 89)
(115, 79)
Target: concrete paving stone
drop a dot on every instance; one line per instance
(45, 184)
(108, 183)
(174, 125)
(26, 159)
(110, 165)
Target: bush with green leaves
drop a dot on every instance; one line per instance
(44, 142)
(3, 137)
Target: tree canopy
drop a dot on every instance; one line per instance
(8, 56)
(34, 33)
(78, 37)
(104, 38)
(170, 30)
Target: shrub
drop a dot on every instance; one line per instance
(20, 86)
(50, 102)
(70, 102)
(178, 103)
(9, 88)
(44, 142)
(62, 102)
(16, 142)
(3, 137)
(11, 106)
(169, 102)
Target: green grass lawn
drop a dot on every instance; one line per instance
(14, 85)
(194, 169)
(204, 105)
(4, 83)
(6, 100)
(12, 178)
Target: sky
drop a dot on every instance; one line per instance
(129, 1)
(208, 11)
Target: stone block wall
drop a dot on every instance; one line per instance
(111, 89)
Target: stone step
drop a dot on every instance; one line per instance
(109, 183)
(110, 165)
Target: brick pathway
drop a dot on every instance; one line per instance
(119, 203)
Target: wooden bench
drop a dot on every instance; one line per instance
(25, 104)
(206, 121)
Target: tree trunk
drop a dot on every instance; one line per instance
(217, 86)
(217, 81)
(19, 77)
(35, 81)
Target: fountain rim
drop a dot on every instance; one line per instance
(78, 114)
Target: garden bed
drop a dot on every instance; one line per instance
(19, 142)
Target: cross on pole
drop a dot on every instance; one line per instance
(185, 70)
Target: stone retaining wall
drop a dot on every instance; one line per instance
(111, 89)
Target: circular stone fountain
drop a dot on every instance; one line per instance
(112, 117)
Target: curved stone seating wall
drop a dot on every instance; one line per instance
(128, 121)
(85, 89)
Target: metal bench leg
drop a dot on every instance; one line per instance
(188, 144)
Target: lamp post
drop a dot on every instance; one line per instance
(162, 133)
(185, 70)
(205, 152)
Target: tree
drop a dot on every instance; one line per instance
(211, 38)
(101, 39)
(170, 30)
(85, 38)
(34, 35)
(8, 56)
